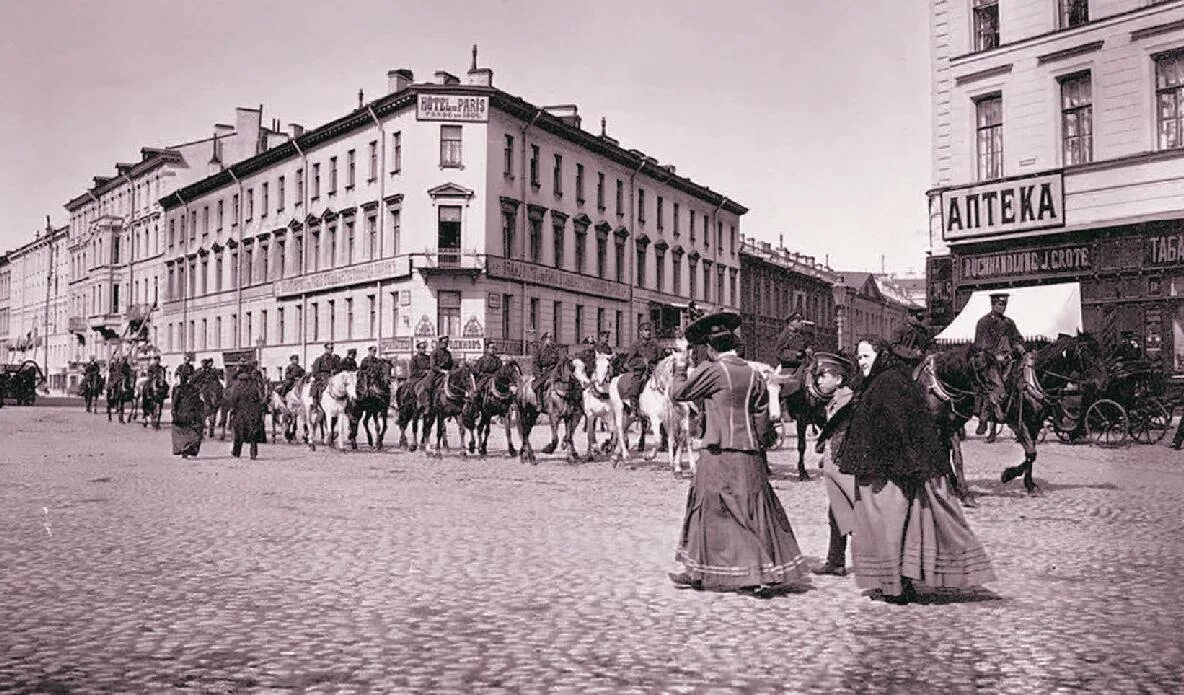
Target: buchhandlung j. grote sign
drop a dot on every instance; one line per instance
(1002, 207)
(1035, 262)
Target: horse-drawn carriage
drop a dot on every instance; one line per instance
(20, 382)
(1131, 404)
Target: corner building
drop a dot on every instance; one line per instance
(1058, 156)
(440, 208)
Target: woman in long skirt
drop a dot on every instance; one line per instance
(188, 419)
(246, 402)
(735, 535)
(908, 527)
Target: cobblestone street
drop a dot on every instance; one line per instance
(125, 569)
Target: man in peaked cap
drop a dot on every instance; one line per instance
(912, 339)
(997, 335)
(545, 360)
(350, 362)
(292, 372)
(794, 346)
(832, 373)
(640, 359)
(323, 368)
(185, 369)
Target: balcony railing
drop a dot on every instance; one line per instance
(444, 261)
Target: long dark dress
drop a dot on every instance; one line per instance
(906, 522)
(246, 403)
(187, 427)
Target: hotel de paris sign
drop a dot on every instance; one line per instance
(1001, 207)
(452, 107)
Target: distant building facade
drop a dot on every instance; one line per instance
(5, 302)
(775, 282)
(439, 208)
(37, 313)
(867, 306)
(1058, 156)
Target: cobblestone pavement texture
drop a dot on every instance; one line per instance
(125, 569)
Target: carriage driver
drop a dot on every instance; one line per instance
(996, 334)
(323, 368)
(291, 374)
(640, 360)
(185, 369)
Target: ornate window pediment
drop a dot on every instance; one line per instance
(581, 220)
(393, 199)
(312, 220)
(510, 205)
(295, 225)
(328, 215)
(450, 190)
(603, 229)
(535, 212)
(622, 232)
(558, 216)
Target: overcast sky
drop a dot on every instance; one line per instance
(812, 113)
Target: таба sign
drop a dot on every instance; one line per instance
(1001, 207)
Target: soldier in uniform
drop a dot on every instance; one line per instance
(291, 374)
(441, 363)
(604, 346)
(795, 344)
(545, 360)
(185, 370)
(92, 369)
(204, 373)
(832, 372)
(997, 335)
(640, 359)
(350, 362)
(912, 339)
(488, 365)
(421, 363)
(156, 370)
(323, 368)
(750, 546)
(587, 355)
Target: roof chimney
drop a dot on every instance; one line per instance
(446, 78)
(296, 129)
(568, 113)
(480, 77)
(398, 80)
(361, 99)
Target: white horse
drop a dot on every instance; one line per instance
(659, 408)
(341, 389)
(598, 405)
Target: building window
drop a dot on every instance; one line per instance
(1169, 95)
(371, 236)
(450, 141)
(316, 321)
(674, 214)
(536, 241)
(316, 181)
(263, 326)
(349, 242)
(314, 257)
(533, 317)
(205, 276)
(601, 256)
(1077, 119)
(299, 187)
(204, 332)
(557, 321)
(448, 313)
(281, 329)
(373, 160)
(279, 194)
(989, 137)
(693, 279)
(659, 269)
(600, 190)
(507, 303)
(706, 281)
(372, 315)
(676, 275)
(719, 235)
(617, 325)
(248, 265)
(660, 213)
(986, 24)
(508, 159)
(581, 241)
(620, 197)
(265, 200)
(692, 226)
(620, 258)
(558, 176)
(579, 183)
(205, 220)
(509, 222)
(331, 244)
(557, 239)
(299, 259)
(396, 230)
(534, 165)
(332, 176)
(397, 158)
(719, 285)
(332, 319)
(732, 285)
(218, 271)
(351, 168)
(641, 205)
(349, 318)
(641, 265)
(233, 210)
(732, 238)
(220, 215)
(579, 335)
(1073, 12)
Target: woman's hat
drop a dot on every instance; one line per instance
(712, 325)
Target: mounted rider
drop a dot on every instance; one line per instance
(997, 335)
(156, 370)
(441, 363)
(349, 363)
(795, 346)
(587, 355)
(488, 365)
(421, 364)
(640, 360)
(292, 373)
(912, 340)
(91, 371)
(205, 374)
(323, 369)
(545, 360)
(372, 370)
(185, 369)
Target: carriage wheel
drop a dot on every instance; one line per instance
(1106, 423)
(1066, 424)
(1149, 421)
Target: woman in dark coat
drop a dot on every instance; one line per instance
(188, 419)
(908, 527)
(246, 404)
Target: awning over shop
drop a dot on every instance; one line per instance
(1041, 311)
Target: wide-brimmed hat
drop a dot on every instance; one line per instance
(712, 325)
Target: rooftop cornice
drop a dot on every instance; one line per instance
(154, 159)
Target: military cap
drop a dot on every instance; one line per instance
(795, 316)
(647, 326)
(996, 296)
(351, 351)
(329, 346)
(372, 348)
(421, 345)
(712, 325)
(830, 362)
(443, 337)
(605, 333)
(207, 360)
(290, 358)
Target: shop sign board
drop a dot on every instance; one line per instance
(395, 344)
(1164, 249)
(374, 271)
(452, 107)
(1034, 262)
(1004, 206)
(939, 289)
(520, 271)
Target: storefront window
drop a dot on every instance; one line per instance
(1178, 339)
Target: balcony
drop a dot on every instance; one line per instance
(449, 262)
(101, 322)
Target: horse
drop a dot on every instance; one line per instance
(448, 399)
(209, 387)
(409, 412)
(137, 395)
(598, 405)
(297, 404)
(372, 404)
(806, 406)
(91, 389)
(277, 405)
(340, 391)
(151, 397)
(561, 402)
(1066, 360)
(658, 409)
(950, 380)
(120, 391)
(497, 397)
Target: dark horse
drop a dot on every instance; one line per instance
(807, 406)
(210, 388)
(91, 389)
(1068, 359)
(120, 392)
(152, 398)
(496, 397)
(562, 403)
(409, 412)
(374, 400)
(950, 379)
(448, 399)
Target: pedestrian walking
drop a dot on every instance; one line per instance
(907, 526)
(188, 418)
(245, 400)
(832, 374)
(735, 535)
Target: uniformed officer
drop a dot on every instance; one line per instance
(587, 355)
(291, 374)
(997, 335)
(350, 362)
(441, 363)
(794, 346)
(488, 365)
(913, 338)
(604, 346)
(156, 370)
(421, 363)
(323, 368)
(92, 368)
(371, 364)
(185, 369)
(640, 359)
(204, 373)
(832, 373)
(545, 361)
